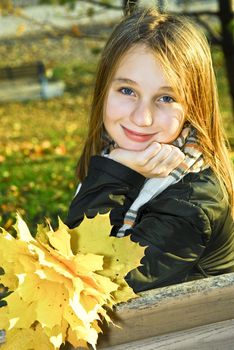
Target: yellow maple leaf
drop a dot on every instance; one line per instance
(27, 339)
(60, 240)
(10, 281)
(41, 234)
(120, 255)
(22, 230)
(62, 281)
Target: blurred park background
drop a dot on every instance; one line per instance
(44, 113)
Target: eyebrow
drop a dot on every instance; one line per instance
(130, 81)
(125, 80)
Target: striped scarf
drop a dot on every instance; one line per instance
(193, 162)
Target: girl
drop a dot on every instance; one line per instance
(155, 153)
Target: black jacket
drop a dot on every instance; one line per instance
(188, 229)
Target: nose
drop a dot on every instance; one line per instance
(142, 114)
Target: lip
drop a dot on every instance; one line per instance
(137, 136)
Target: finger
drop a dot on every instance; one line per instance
(156, 164)
(143, 157)
(160, 156)
(170, 163)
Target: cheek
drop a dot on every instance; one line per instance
(177, 117)
(111, 109)
(111, 113)
(172, 124)
(117, 107)
(174, 127)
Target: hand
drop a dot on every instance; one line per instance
(157, 160)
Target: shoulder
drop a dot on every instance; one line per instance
(204, 186)
(206, 193)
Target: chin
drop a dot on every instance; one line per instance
(133, 146)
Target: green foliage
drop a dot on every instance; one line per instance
(37, 189)
(78, 77)
(58, 2)
(231, 26)
(224, 96)
(6, 7)
(71, 3)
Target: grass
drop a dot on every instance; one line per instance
(41, 142)
(40, 145)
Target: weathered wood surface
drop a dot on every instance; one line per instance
(34, 69)
(29, 89)
(171, 309)
(217, 336)
(168, 317)
(27, 82)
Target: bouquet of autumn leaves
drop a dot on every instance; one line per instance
(62, 283)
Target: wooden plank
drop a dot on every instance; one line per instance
(170, 309)
(35, 70)
(170, 315)
(20, 91)
(28, 89)
(217, 336)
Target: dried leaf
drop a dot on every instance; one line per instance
(120, 255)
(61, 282)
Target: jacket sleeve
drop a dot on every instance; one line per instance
(108, 185)
(175, 233)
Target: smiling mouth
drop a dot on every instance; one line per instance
(137, 136)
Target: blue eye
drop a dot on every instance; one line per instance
(127, 91)
(167, 99)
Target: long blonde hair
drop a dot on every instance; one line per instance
(185, 56)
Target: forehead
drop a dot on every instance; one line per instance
(136, 55)
(140, 64)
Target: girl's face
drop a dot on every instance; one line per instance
(141, 106)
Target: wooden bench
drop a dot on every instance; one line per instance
(197, 315)
(27, 82)
(32, 71)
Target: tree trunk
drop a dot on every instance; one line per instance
(129, 6)
(226, 18)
